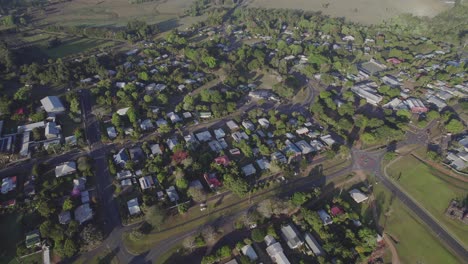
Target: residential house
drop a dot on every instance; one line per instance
(52, 130)
(291, 236)
(125, 174)
(83, 213)
(65, 168)
(174, 117)
(328, 140)
(111, 132)
(156, 149)
(275, 251)
(64, 217)
(219, 133)
(238, 136)
(316, 145)
(416, 105)
(133, 206)
(172, 194)
(278, 156)
(212, 180)
(358, 196)
(313, 245)
(8, 184)
(248, 125)
(249, 169)
(263, 163)
(146, 182)
(305, 147)
(326, 218)
(232, 125)
(205, 115)
(171, 143)
(136, 154)
(249, 251)
(121, 157)
(204, 136)
(437, 102)
(302, 131)
(264, 122)
(146, 125)
(33, 239)
(52, 105)
(123, 111)
(222, 160)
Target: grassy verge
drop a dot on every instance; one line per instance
(413, 241)
(432, 189)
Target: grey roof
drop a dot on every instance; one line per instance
(291, 235)
(52, 104)
(65, 169)
(83, 213)
(313, 244)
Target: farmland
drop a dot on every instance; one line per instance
(362, 11)
(422, 182)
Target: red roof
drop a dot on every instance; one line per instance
(335, 210)
(9, 203)
(212, 180)
(223, 160)
(20, 111)
(395, 61)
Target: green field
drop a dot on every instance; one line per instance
(415, 243)
(74, 46)
(432, 189)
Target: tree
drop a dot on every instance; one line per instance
(454, 126)
(44, 208)
(69, 248)
(197, 194)
(237, 185)
(23, 93)
(182, 208)
(404, 114)
(132, 115)
(75, 105)
(155, 216)
(182, 184)
(67, 204)
(116, 120)
(209, 234)
(91, 235)
(223, 252)
(258, 235)
(189, 243)
(299, 198)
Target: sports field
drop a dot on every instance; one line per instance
(363, 11)
(432, 189)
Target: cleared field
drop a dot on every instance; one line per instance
(431, 189)
(73, 46)
(363, 11)
(118, 13)
(414, 242)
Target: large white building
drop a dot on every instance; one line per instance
(52, 104)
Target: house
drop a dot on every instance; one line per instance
(52, 105)
(437, 102)
(249, 251)
(278, 156)
(146, 125)
(156, 149)
(64, 217)
(65, 168)
(30, 127)
(125, 174)
(302, 131)
(204, 136)
(85, 197)
(219, 133)
(249, 169)
(264, 122)
(371, 67)
(172, 194)
(83, 213)
(313, 245)
(248, 125)
(136, 154)
(33, 239)
(111, 132)
(70, 140)
(196, 184)
(336, 211)
(328, 140)
(212, 180)
(316, 145)
(174, 117)
(263, 163)
(358, 196)
(146, 182)
(133, 206)
(120, 85)
(121, 157)
(291, 150)
(416, 105)
(305, 147)
(367, 92)
(326, 218)
(126, 182)
(187, 115)
(52, 130)
(8, 184)
(161, 122)
(222, 160)
(205, 115)
(123, 111)
(391, 81)
(291, 236)
(275, 251)
(238, 136)
(79, 184)
(232, 125)
(171, 143)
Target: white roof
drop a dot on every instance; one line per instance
(146, 182)
(52, 104)
(133, 206)
(358, 196)
(249, 252)
(313, 244)
(65, 169)
(155, 149)
(123, 111)
(232, 125)
(111, 132)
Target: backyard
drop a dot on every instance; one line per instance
(432, 189)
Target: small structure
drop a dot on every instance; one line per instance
(326, 218)
(33, 239)
(64, 217)
(52, 130)
(123, 111)
(456, 210)
(172, 194)
(358, 196)
(219, 133)
(264, 122)
(121, 157)
(156, 149)
(212, 180)
(8, 184)
(174, 117)
(249, 251)
(336, 211)
(111, 132)
(222, 160)
(125, 174)
(249, 169)
(313, 245)
(52, 105)
(305, 147)
(328, 140)
(275, 251)
(291, 235)
(133, 207)
(146, 182)
(171, 143)
(204, 136)
(146, 125)
(65, 169)
(136, 154)
(232, 125)
(83, 213)
(263, 163)
(248, 125)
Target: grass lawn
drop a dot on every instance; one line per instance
(33, 259)
(77, 45)
(416, 243)
(431, 189)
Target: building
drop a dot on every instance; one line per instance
(121, 157)
(275, 251)
(171, 143)
(416, 105)
(52, 105)
(263, 163)
(65, 169)
(232, 125)
(133, 207)
(146, 182)
(172, 194)
(291, 235)
(125, 174)
(111, 132)
(305, 147)
(83, 213)
(358, 196)
(174, 117)
(264, 122)
(204, 136)
(146, 125)
(313, 245)
(278, 156)
(328, 140)
(437, 102)
(219, 133)
(249, 251)
(371, 67)
(367, 92)
(156, 149)
(136, 154)
(248, 125)
(249, 169)
(64, 217)
(326, 218)
(52, 130)
(33, 239)
(8, 184)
